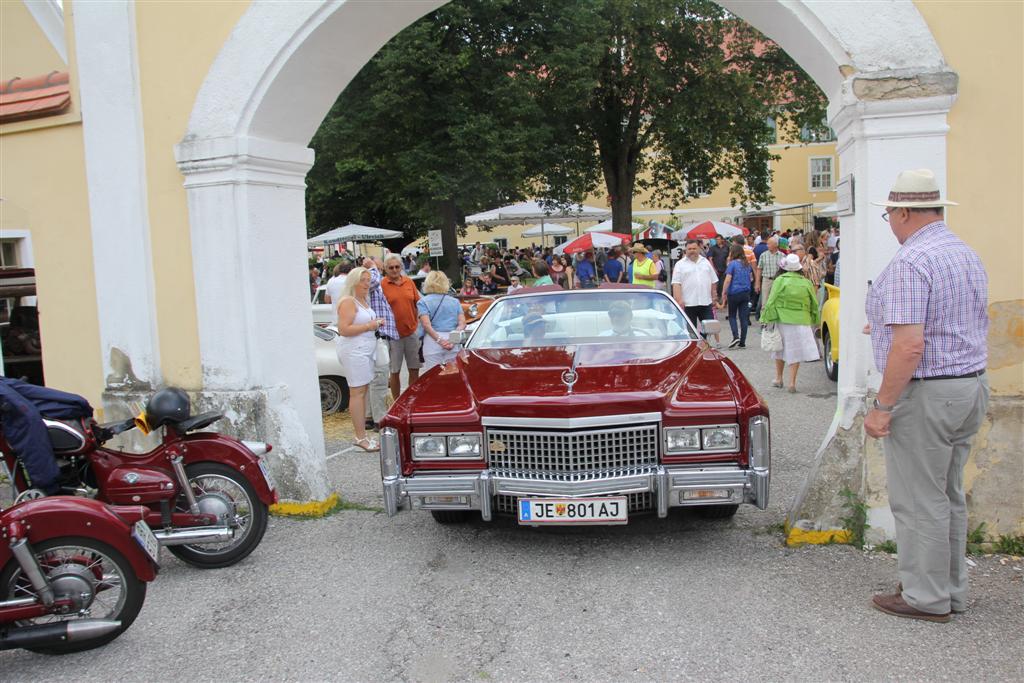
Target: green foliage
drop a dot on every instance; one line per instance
(976, 540)
(1009, 545)
(485, 102)
(886, 547)
(856, 522)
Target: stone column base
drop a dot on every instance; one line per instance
(850, 460)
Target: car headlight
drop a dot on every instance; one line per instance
(682, 439)
(429, 447)
(441, 446)
(721, 438)
(464, 446)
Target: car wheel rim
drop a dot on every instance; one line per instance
(330, 396)
(828, 353)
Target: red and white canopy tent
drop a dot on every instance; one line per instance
(710, 229)
(591, 240)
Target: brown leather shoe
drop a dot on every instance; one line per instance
(896, 606)
(954, 610)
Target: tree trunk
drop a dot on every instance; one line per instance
(450, 262)
(619, 178)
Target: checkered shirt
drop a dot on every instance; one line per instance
(936, 280)
(769, 263)
(381, 306)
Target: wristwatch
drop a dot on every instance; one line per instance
(884, 408)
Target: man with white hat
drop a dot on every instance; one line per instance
(927, 316)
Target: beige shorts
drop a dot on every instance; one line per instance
(407, 349)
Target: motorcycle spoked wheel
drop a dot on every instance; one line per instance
(220, 489)
(72, 563)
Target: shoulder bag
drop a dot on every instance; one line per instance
(771, 338)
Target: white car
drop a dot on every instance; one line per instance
(333, 386)
(323, 313)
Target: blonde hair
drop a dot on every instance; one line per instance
(351, 280)
(436, 283)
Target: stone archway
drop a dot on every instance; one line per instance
(245, 156)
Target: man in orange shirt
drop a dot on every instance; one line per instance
(401, 293)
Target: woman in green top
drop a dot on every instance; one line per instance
(792, 304)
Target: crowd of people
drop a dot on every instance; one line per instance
(778, 278)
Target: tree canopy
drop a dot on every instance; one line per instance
(484, 102)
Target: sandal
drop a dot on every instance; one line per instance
(777, 385)
(368, 445)
(791, 390)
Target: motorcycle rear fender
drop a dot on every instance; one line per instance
(58, 516)
(212, 447)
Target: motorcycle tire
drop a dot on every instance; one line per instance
(125, 608)
(208, 556)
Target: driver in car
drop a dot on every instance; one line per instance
(620, 314)
(533, 329)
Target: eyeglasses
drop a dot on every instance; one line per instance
(394, 267)
(885, 215)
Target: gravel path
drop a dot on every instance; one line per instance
(358, 596)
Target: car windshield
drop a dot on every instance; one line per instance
(581, 317)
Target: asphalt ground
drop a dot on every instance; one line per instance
(359, 596)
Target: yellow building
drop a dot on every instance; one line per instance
(163, 208)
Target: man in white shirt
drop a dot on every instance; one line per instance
(333, 294)
(693, 284)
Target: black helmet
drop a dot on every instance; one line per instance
(167, 406)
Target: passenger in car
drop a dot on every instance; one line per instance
(620, 314)
(534, 329)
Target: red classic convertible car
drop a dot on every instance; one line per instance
(578, 407)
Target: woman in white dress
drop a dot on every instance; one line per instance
(793, 305)
(356, 347)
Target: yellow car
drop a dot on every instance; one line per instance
(830, 331)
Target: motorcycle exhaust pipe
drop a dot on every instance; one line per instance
(53, 634)
(193, 536)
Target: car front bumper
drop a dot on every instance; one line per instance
(672, 486)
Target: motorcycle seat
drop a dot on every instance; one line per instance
(195, 422)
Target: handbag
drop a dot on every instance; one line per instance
(771, 338)
(382, 353)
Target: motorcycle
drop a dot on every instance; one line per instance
(206, 494)
(73, 573)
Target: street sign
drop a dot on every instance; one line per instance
(844, 197)
(434, 243)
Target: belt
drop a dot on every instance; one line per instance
(977, 373)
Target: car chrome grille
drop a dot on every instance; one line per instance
(638, 502)
(572, 455)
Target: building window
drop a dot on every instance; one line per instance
(821, 173)
(769, 122)
(501, 242)
(820, 133)
(9, 254)
(560, 239)
(695, 188)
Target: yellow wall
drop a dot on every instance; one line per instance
(981, 41)
(24, 50)
(42, 182)
(174, 57)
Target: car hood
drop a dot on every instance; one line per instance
(666, 377)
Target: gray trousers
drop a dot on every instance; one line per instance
(378, 393)
(932, 426)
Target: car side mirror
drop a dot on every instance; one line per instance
(710, 326)
(457, 337)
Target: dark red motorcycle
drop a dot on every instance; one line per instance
(206, 494)
(73, 573)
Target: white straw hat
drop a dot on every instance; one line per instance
(915, 189)
(791, 263)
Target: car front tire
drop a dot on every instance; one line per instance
(831, 366)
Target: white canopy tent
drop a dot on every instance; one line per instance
(542, 229)
(352, 233)
(517, 214)
(606, 226)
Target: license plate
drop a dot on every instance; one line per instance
(145, 537)
(573, 510)
(266, 475)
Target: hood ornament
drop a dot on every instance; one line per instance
(569, 378)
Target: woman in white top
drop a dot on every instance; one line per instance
(356, 346)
